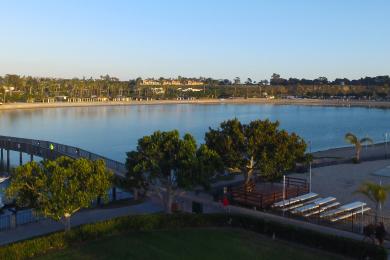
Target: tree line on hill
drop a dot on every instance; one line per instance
(15, 88)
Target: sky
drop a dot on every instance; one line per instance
(210, 38)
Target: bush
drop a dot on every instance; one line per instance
(55, 241)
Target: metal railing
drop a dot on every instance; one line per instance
(52, 150)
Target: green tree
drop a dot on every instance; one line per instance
(135, 178)
(58, 189)
(376, 193)
(257, 146)
(352, 139)
(170, 164)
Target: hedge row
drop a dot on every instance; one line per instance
(60, 240)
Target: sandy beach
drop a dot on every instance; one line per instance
(342, 181)
(307, 102)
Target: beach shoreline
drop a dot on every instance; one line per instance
(261, 101)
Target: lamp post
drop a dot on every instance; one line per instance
(310, 167)
(284, 192)
(386, 138)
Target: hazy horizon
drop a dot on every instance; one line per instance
(127, 39)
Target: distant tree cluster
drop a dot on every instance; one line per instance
(367, 81)
(15, 88)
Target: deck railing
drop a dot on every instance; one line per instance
(52, 150)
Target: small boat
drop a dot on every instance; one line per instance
(3, 179)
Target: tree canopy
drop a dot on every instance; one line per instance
(58, 189)
(169, 163)
(258, 146)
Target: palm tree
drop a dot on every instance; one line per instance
(376, 193)
(352, 139)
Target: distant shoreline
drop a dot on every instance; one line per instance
(305, 102)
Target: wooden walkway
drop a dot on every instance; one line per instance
(51, 150)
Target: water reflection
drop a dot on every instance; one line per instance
(111, 131)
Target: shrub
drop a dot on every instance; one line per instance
(60, 240)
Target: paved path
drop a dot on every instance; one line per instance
(87, 216)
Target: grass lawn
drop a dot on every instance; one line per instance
(189, 244)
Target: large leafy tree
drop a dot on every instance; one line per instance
(58, 189)
(170, 164)
(354, 140)
(258, 146)
(135, 178)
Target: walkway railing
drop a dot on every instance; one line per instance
(52, 150)
(10, 218)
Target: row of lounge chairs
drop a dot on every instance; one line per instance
(328, 208)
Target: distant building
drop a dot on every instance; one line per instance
(176, 82)
(158, 91)
(171, 82)
(194, 83)
(8, 89)
(61, 98)
(191, 89)
(150, 82)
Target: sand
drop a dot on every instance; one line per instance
(309, 102)
(342, 181)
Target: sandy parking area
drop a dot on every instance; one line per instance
(341, 181)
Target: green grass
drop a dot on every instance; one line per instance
(189, 244)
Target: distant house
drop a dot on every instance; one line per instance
(176, 82)
(61, 98)
(158, 91)
(191, 89)
(171, 82)
(194, 83)
(150, 82)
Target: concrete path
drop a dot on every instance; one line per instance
(84, 217)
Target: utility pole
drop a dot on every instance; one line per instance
(386, 136)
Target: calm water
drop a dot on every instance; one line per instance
(111, 131)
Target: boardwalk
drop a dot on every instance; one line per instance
(52, 150)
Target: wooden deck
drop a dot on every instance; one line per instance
(253, 195)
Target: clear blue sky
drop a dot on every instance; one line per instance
(220, 39)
